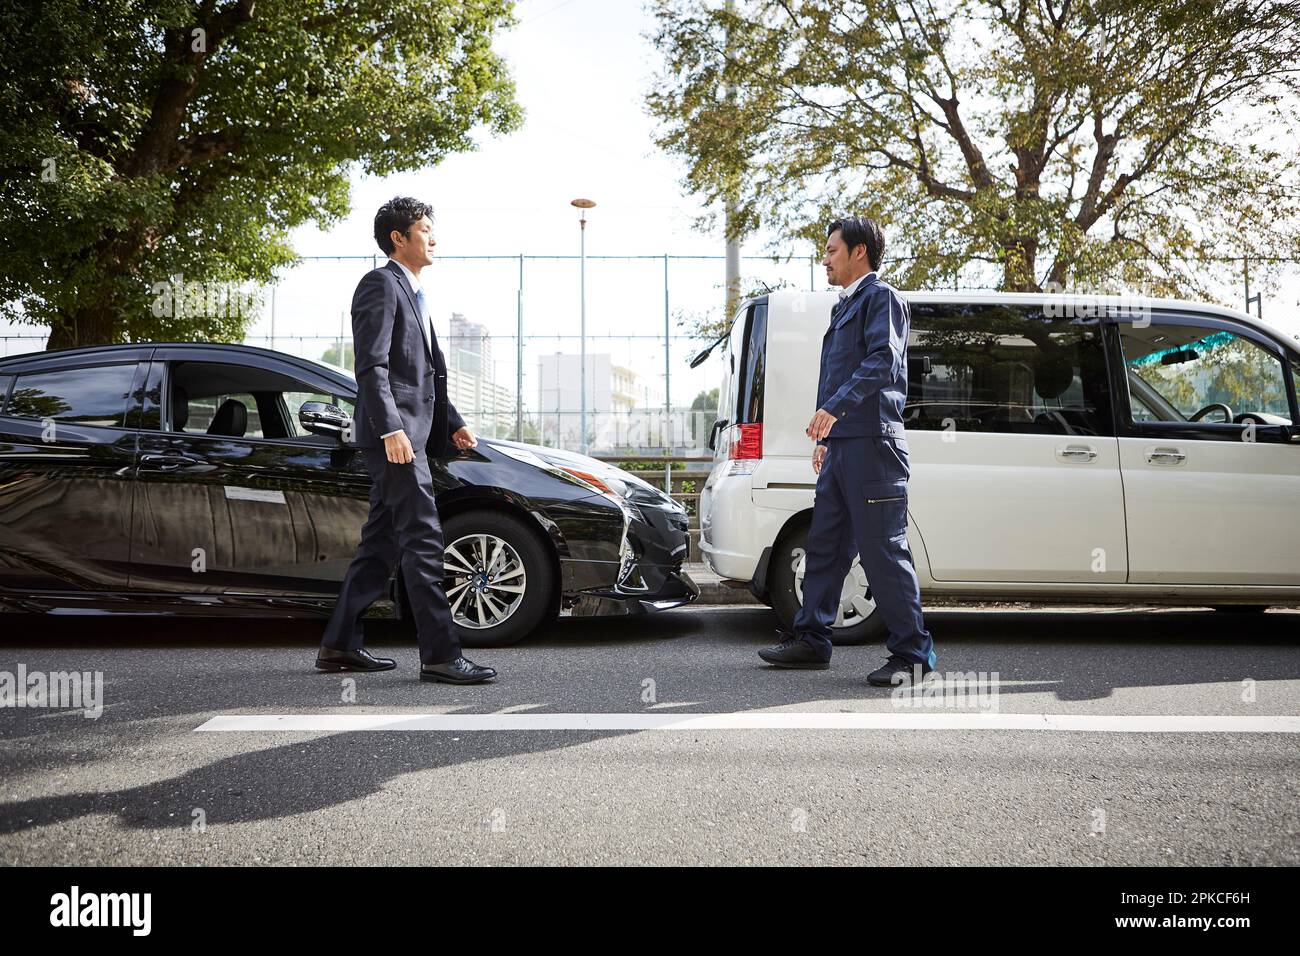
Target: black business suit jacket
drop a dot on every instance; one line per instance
(400, 369)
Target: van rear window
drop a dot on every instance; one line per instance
(753, 365)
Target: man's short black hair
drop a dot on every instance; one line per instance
(861, 231)
(400, 213)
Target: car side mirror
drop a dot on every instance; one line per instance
(322, 418)
(718, 425)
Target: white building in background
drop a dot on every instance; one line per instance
(625, 412)
(471, 381)
(469, 347)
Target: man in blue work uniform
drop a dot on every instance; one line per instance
(862, 467)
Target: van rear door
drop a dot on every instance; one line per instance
(738, 431)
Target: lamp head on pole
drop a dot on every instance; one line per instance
(583, 205)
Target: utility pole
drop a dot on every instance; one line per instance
(733, 243)
(583, 205)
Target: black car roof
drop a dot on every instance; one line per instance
(31, 361)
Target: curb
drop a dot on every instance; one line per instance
(713, 592)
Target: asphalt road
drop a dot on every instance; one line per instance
(132, 786)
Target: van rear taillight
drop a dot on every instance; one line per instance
(748, 443)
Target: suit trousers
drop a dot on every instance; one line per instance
(861, 507)
(403, 530)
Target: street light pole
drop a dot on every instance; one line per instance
(583, 205)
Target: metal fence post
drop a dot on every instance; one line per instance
(519, 354)
(667, 430)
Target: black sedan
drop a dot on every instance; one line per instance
(195, 479)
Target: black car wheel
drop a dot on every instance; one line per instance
(858, 622)
(500, 581)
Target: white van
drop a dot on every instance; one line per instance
(1063, 449)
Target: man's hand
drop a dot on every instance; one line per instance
(398, 448)
(820, 425)
(463, 438)
(819, 453)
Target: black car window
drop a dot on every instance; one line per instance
(5, 382)
(240, 401)
(1001, 368)
(85, 396)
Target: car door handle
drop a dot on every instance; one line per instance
(1165, 456)
(1076, 453)
(168, 462)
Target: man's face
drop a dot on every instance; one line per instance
(415, 249)
(841, 266)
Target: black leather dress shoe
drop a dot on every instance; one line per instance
(459, 671)
(329, 659)
(898, 672)
(794, 653)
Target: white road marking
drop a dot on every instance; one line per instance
(1102, 723)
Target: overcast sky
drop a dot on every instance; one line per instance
(582, 68)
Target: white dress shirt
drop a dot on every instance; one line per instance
(853, 286)
(427, 319)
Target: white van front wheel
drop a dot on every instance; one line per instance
(856, 621)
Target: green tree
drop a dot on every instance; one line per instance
(332, 356)
(155, 156)
(1071, 142)
(706, 401)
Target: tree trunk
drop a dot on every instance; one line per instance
(1019, 259)
(99, 325)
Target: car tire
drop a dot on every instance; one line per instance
(784, 593)
(460, 534)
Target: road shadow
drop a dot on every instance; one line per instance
(303, 776)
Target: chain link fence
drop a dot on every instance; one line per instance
(513, 331)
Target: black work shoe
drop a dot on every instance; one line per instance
(458, 671)
(329, 659)
(795, 654)
(898, 672)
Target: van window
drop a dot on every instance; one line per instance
(998, 368)
(1182, 373)
(751, 365)
(731, 359)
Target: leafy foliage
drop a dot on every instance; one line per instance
(1081, 143)
(151, 146)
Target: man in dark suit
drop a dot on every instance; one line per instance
(862, 466)
(403, 419)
